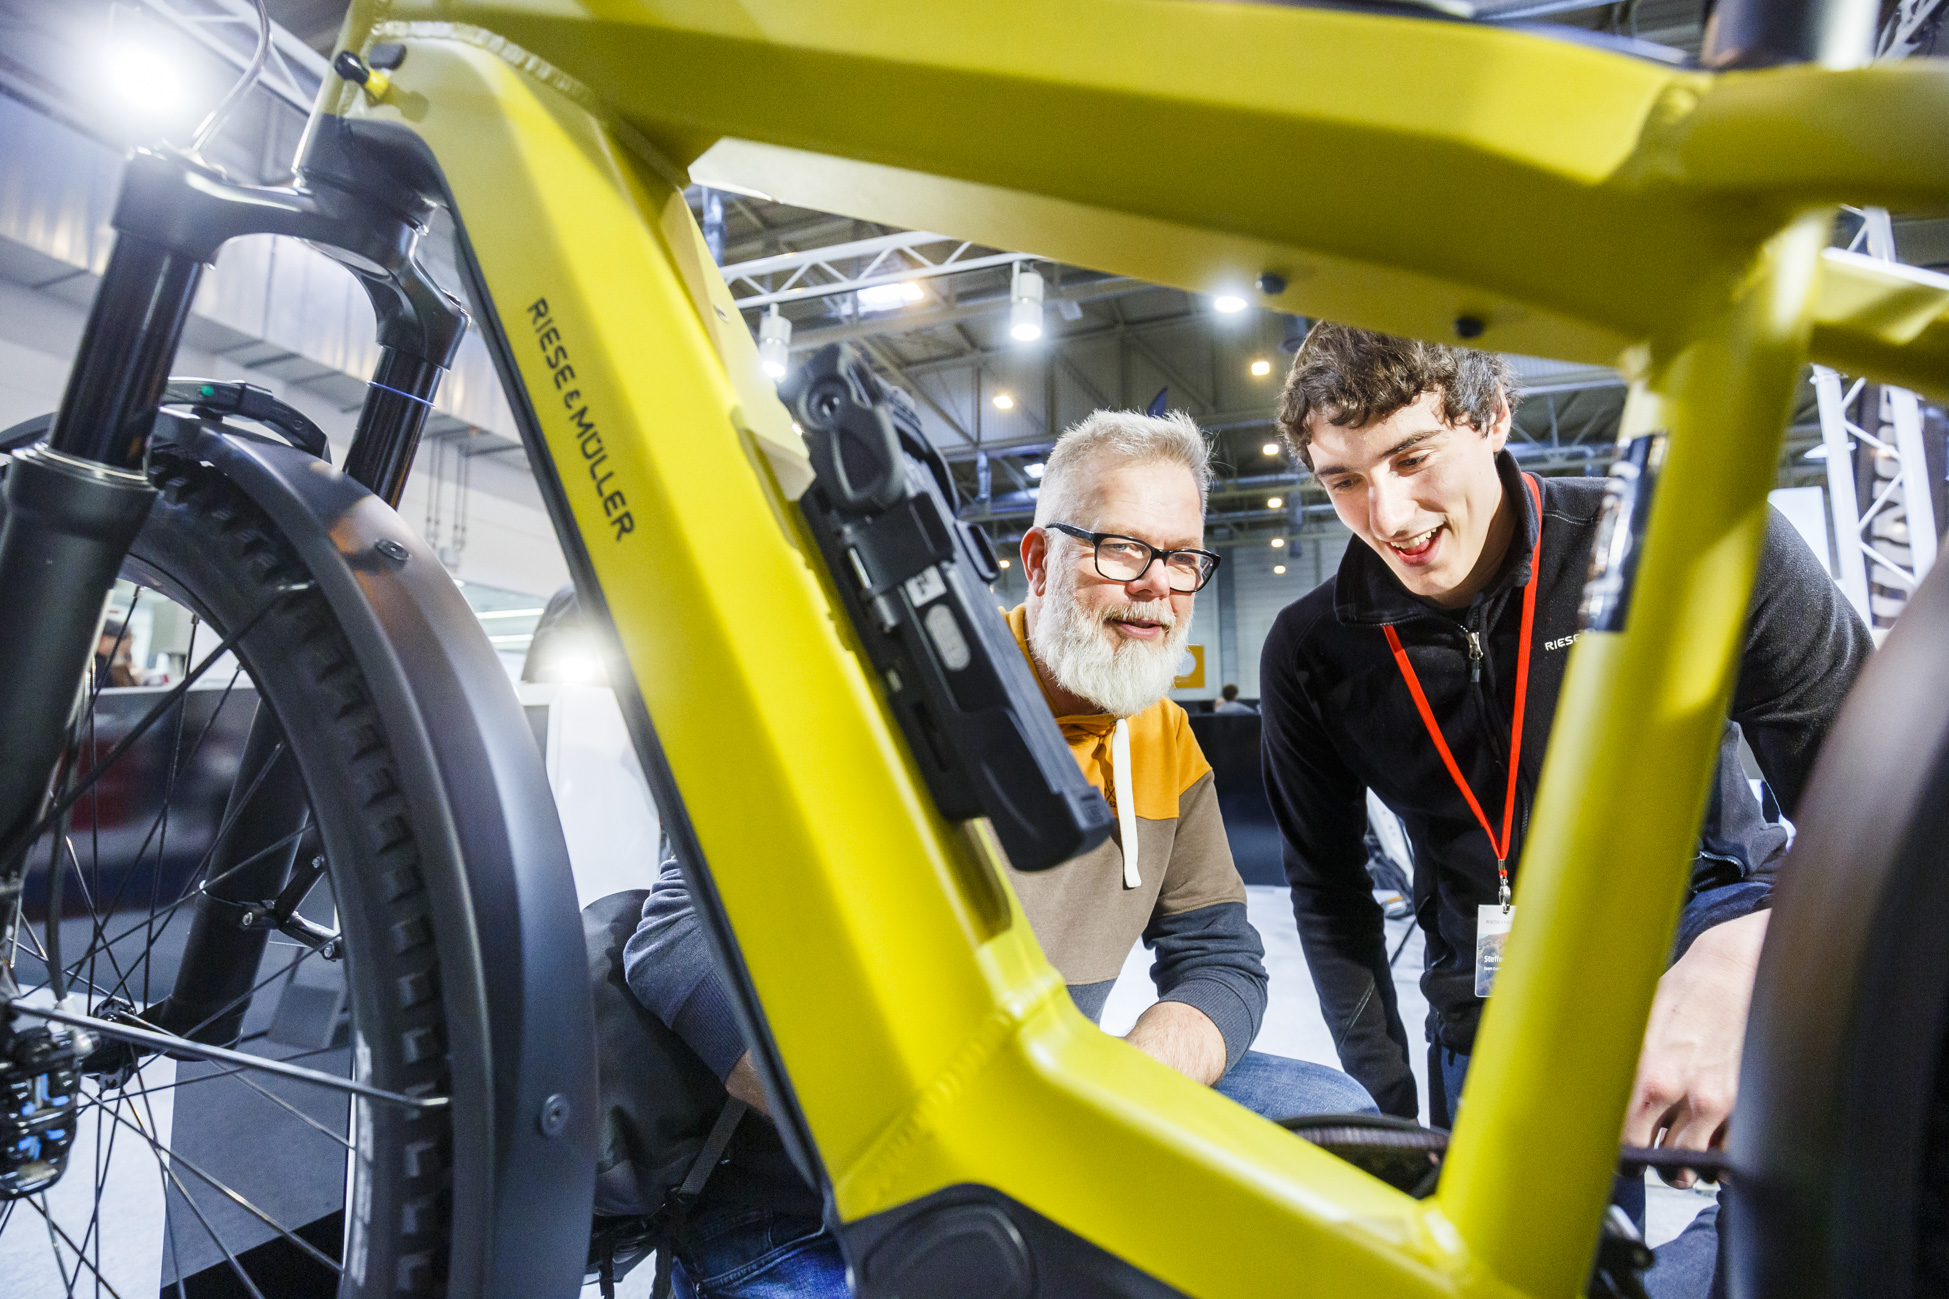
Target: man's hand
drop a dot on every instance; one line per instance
(743, 1084)
(1688, 1074)
(1182, 1037)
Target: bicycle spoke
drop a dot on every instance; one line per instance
(252, 991)
(53, 1227)
(176, 693)
(192, 894)
(243, 1076)
(215, 1239)
(184, 1046)
(181, 1083)
(168, 802)
(156, 824)
(234, 1196)
(149, 925)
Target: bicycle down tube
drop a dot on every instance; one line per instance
(905, 1015)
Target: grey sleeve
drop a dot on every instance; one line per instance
(669, 967)
(1211, 959)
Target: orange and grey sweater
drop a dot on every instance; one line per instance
(1179, 891)
(1181, 895)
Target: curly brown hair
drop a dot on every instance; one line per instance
(1353, 377)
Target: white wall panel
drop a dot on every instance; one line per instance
(1262, 594)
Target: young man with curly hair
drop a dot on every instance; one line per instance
(1409, 657)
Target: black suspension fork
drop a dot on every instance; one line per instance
(397, 402)
(69, 509)
(74, 505)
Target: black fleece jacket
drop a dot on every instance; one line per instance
(1339, 720)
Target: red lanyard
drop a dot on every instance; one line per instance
(1499, 847)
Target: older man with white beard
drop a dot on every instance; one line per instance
(1113, 566)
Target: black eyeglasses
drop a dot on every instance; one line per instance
(1126, 559)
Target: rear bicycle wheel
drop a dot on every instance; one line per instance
(1840, 1141)
(192, 1177)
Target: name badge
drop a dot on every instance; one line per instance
(1492, 926)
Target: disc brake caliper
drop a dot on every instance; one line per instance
(37, 1102)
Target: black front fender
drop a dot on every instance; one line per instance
(521, 1027)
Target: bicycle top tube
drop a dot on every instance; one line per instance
(1572, 200)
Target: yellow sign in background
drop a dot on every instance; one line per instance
(1195, 678)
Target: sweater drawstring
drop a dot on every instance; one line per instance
(1126, 802)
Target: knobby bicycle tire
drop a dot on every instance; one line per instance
(210, 549)
(1840, 1142)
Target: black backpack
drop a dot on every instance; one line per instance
(665, 1118)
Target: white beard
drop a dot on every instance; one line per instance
(1123, 677)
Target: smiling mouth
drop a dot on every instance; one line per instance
(1139, 627)
(1417, 546)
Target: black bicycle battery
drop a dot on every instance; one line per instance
(914, 580)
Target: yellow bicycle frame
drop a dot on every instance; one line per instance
(1398, 174)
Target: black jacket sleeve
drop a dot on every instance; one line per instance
(1322, 814)
(1804, 647)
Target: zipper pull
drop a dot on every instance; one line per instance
(1475, 656)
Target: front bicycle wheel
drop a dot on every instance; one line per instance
(1841, 1138)
(192, 1177)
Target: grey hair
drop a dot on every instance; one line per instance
(1121, 437)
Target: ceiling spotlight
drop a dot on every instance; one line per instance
(1269, 449)
(1004, 402)
(1034, 470)
(1002, 563)
(1274, 502)
(774, 343)
(1278, 543)
(889, 297)
(1279, 568)
(1260, 369)
(144, 78)
(1025, 306)
(1227, 303)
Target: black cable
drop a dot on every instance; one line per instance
(57, 880)
(1403, 946)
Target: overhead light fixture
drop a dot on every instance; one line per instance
(1002, 562)
(1261, 368)
(1004, 402)
(144, 77)
(1274, 502)
(1034, 470)
(1270, 449)
(1278, 543)
(1025, 306)
(1228, 304)
(1279, 569)
(889, 297)
(774, 343)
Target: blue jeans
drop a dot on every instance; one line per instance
(1279, 1088)
(1687, 1266)
(737, 1253)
